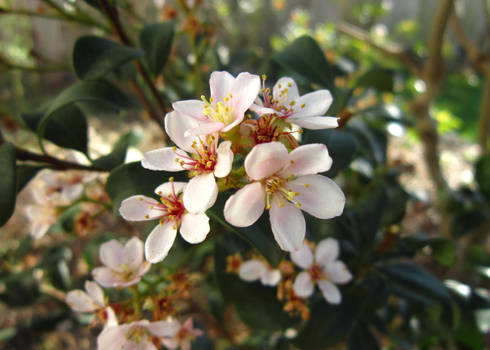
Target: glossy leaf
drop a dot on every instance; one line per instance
(156, 40)
(25, 173)
(94, 57)
(379, 78)
(482, 175)
(306, 58)
(118, 153)
(8, 184)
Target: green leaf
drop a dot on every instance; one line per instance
(131, 179)
(8, 184)
(21, 289)
(25, 173)
(118, 153)
(379, 78)
(94, 57)
(156, 40)
(94, 93)
(414, 279)
(361, 338)
(444, 251)
(482, 175)
(67, 127)
(306, 58)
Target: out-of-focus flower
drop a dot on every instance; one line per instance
(183, 336)
(194, 227)
(285, 184)
(91, 300)
(322, 268)
(64, 187)
(206, 160)
(41, 215)
(230, 98)
(135, 335)
(124, 265)
(306, 111)
(253, 270)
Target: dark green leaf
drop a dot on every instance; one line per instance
(156, 40)
(379, 78)
(21, 289)
(482, 175)
(25, 173)
(94, 57)
(67, 127)
(118, 153)
(306, 58)
(131, 179)
(8, 184)
(362, 339)
(444, 251)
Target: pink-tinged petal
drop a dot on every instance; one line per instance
(111, 254)
(95, 292)
(285, 91)
(315, 103)
(330, 292)
(315, 123)
(160, 241)
(170, 188)
(303, 257)
(167, 328)
(265, 159)
(251, 270)
(139, 208)
(72, 192)
(170, 343)
(185, 344)
(106, 277)
(271, 277)
(176, 125)
(319, 196)
(288, 225)
(39, 229)
(308, 159)
(194, 227)
(261, 110)
(245, 206)
(337, 272)
(224, 159)
(143, 268)
(327, 251)
(245, 89)
(133, 253)
(191, 108)
(303, 285)
(80, 301)
(220, 84)
(205, 128)
(112, 338)
(166, 159)
(111, 318)
(200, 193)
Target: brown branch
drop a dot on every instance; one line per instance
(146, 103)
(55, 163)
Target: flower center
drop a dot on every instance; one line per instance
(276, 185)
(280, 103)
(126, 274)
(220, 111)
(171, 206)
(204, 158)
(316, 273)
(136, 334)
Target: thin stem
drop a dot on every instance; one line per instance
(146, 103)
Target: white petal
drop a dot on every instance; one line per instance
(164, 159)
(200, 193)
(271, 277)
(288, 225)
(244, 91)
(160, 241)
(205, 128)
(95, 292)
(72, 192)
(265, 159)
(303, 257)
(224, 159)
(133, 253)
(220, 84)
(111, 254)
(170, 188)
(251, 270)
(308, 159)
(106, 277)
(315, 103)
(337, 272)
(330, 292)
(303, 285)
(261, 110)
(39, 229)
(112, 338)
(245, 206)
(164, 328)
(176, 125)
(170, 343)
(139, 207)
(285, 91)
(315, 122)
(194, 227)
(319, 196)
(80, 301)
(111, 317)
(191, 108)
(327, 251)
